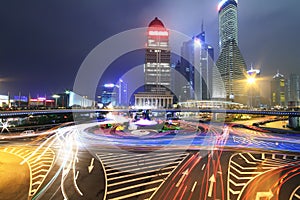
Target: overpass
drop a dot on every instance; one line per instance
(6, 114)
(294, 116)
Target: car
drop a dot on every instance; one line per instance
(27, 132)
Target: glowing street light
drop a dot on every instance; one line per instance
(251, 80)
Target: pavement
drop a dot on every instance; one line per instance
(15, 178)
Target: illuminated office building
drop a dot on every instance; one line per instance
(157, 58)
(197, 62)
(230, 64)
(294, 87)
(228, 23)
(157, 69)
(278, 91)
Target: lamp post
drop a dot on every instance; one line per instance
(55, 96)
(251, 81)
(67, 92)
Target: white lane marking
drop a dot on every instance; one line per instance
(194, 186)
(184, 174)
(212, 181)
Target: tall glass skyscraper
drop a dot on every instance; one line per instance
(199, 72)
(230, 64)
(228, 25)
(278, 90)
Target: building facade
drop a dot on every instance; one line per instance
(294, 91)
(231, 66)
(278, 91)
(157, 68)
(228, 21)
(197, 63)
(294, 87)
(157, 58)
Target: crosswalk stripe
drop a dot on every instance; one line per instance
(140, 164)
(137, 179)
(134, 194)
(140, 168)
(139, 173)
(131, 160)
(134, 186)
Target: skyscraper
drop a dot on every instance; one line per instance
(228, 25)
(197, 60)
(157, 58)
(294, 87)
(230, 64)
(157, 69)
(278, 90)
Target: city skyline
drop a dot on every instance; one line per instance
(40, 51)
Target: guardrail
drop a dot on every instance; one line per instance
(4, 114)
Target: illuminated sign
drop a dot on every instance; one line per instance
(159, 33)
(223, 2)
(21, 98)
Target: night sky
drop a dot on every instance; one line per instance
(43, 43)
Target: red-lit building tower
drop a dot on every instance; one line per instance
(157, 69)
(157, 58)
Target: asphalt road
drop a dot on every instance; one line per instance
(218, 162)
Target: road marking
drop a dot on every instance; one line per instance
(295, 158)
(135, 174)
(264, 195)
(134, 194)
(273, 156)
(185, 173)
(237, 184)
(119, 163)
(212, 181)
(132, 158)
(137, 164)
(77, 173)
(194, 186)
(294, 193)
(38, 170)
(141, 168)
(134, 186)
(137, 179)
(91, 166)
(297, 196)
(152, 167)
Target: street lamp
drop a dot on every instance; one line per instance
(55, 96)
(67, 92)
(251, 81)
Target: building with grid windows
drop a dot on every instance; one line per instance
(231, 66)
